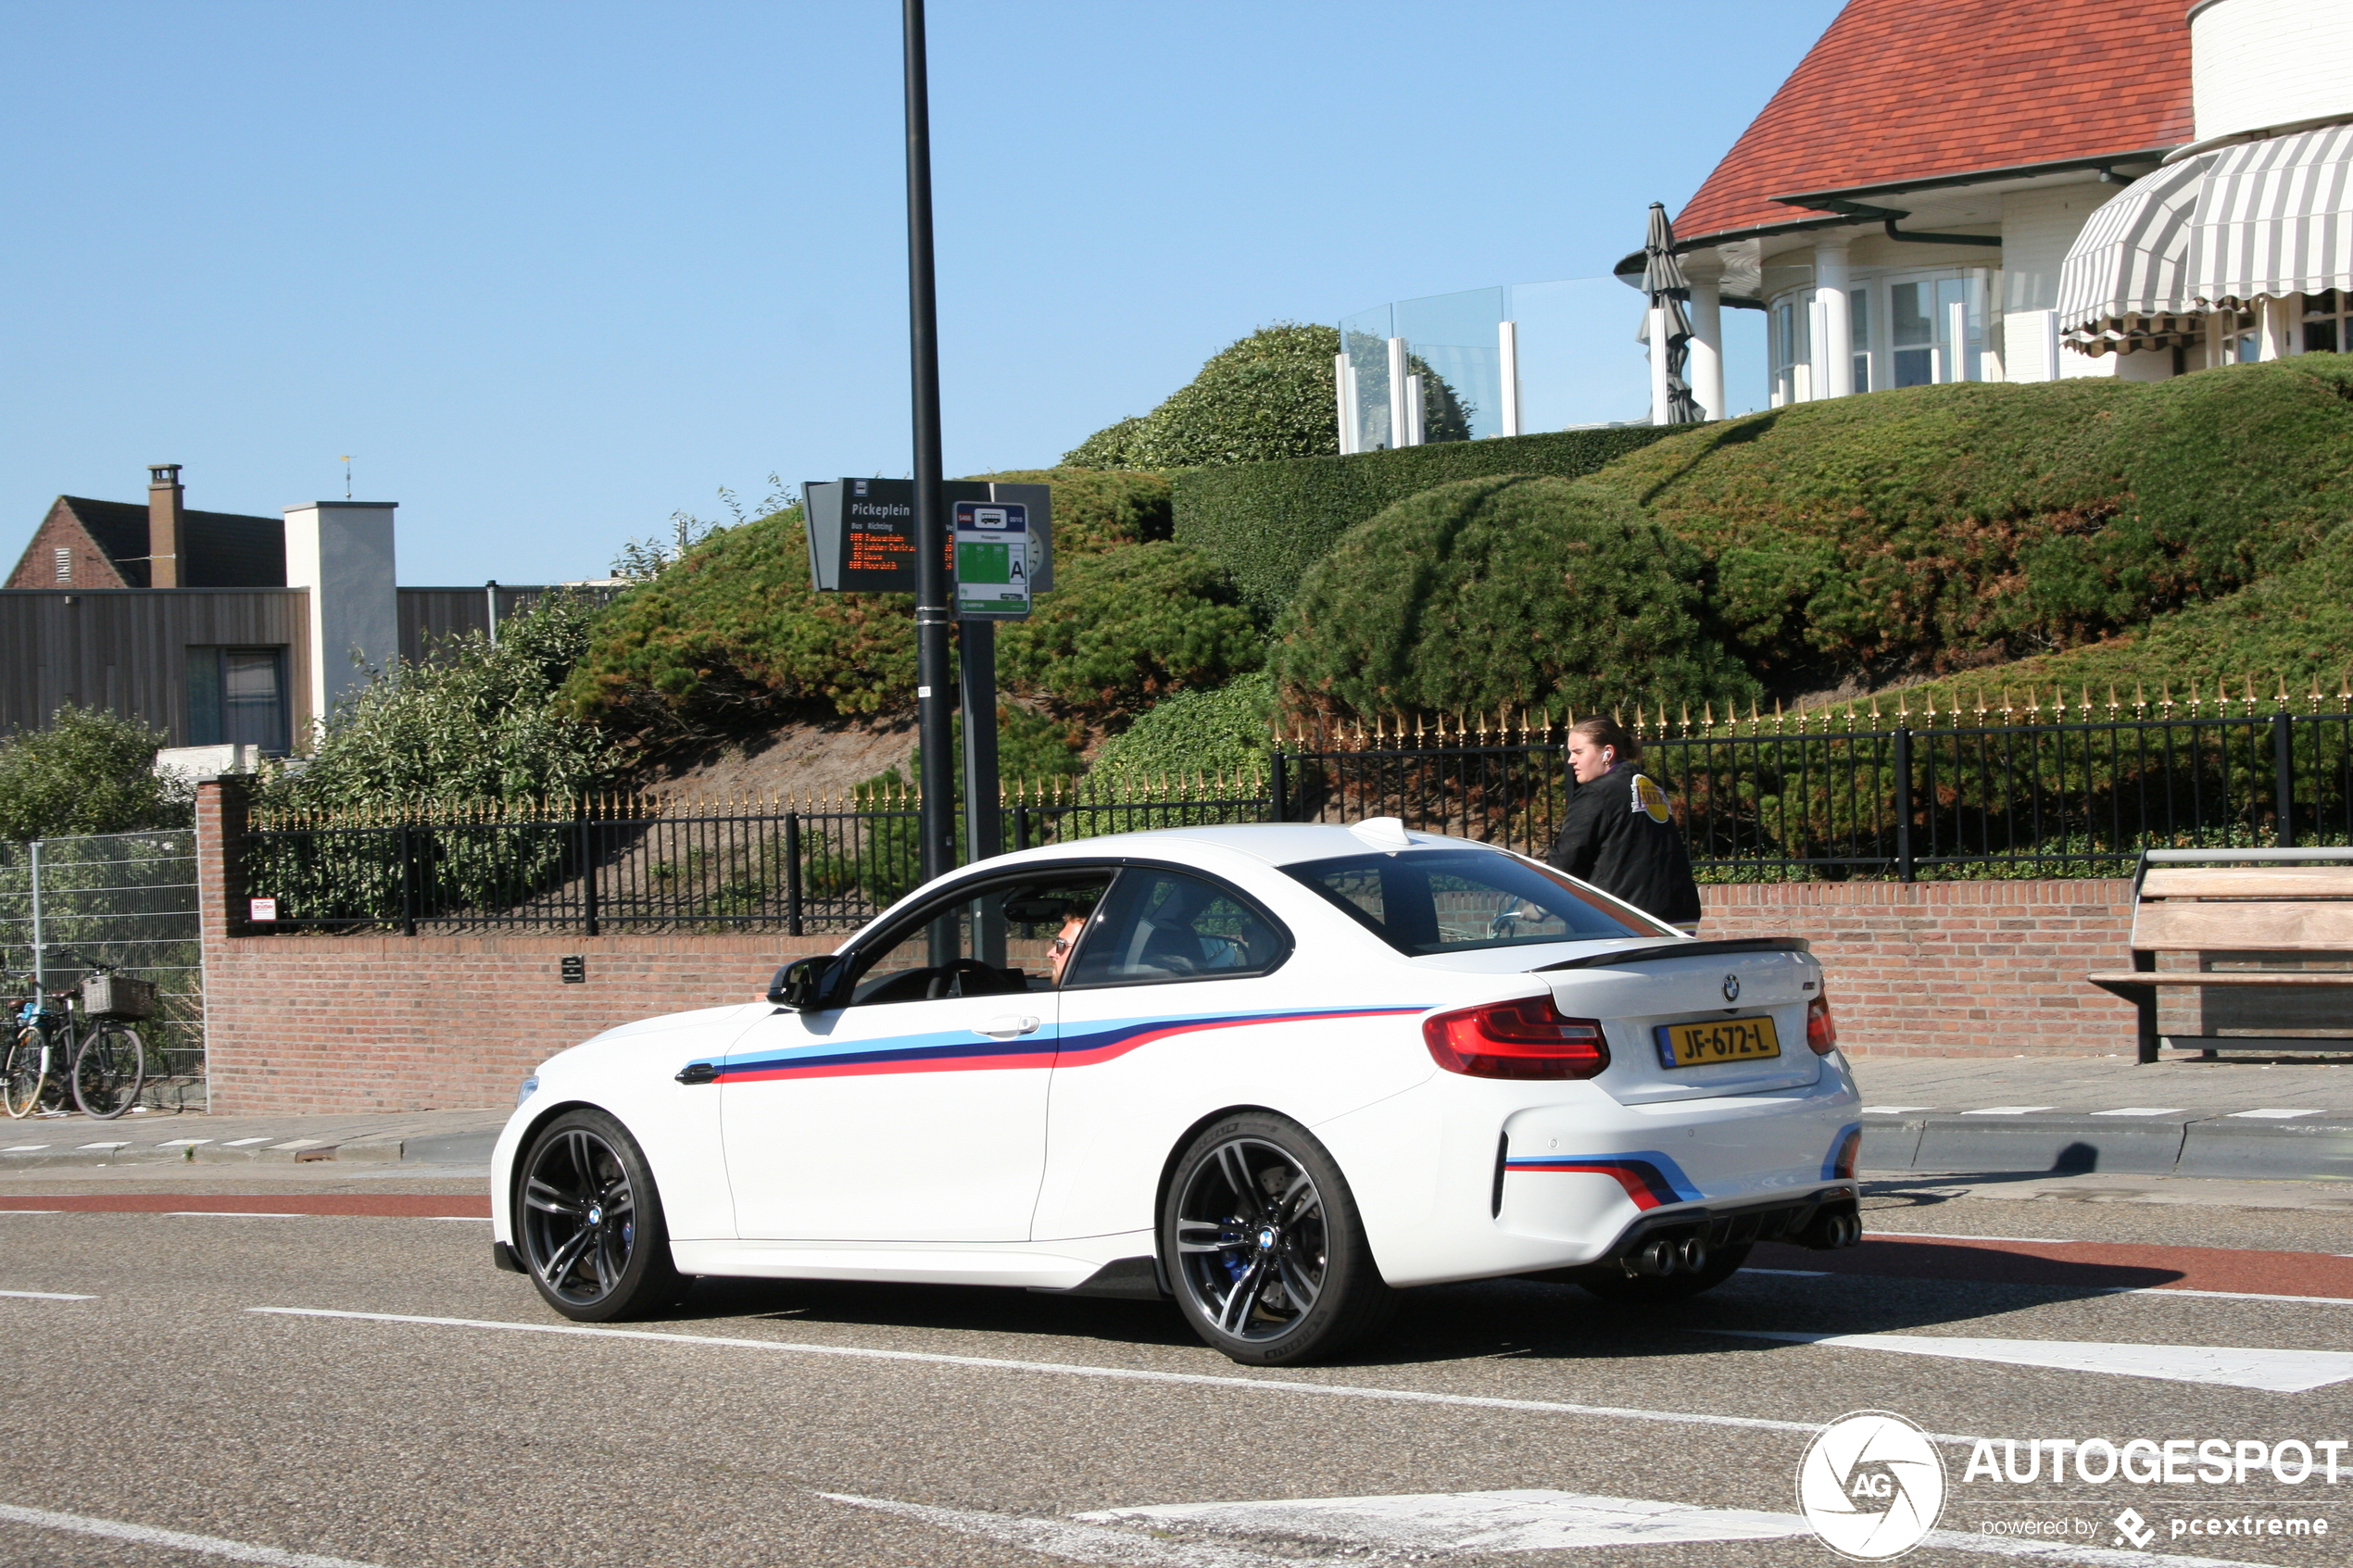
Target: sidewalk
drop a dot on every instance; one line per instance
(2063, 1116)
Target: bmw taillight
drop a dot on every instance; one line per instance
(1821, 1029)
(1527, 1038)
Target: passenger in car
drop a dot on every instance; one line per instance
(1058, 951)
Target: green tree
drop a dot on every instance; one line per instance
(478, 723)
(1217, 731)
(1493, 594)
(90, 771)
(1126, 627)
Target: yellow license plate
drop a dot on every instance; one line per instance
(1728, 1039)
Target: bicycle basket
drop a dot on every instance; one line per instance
(118, 995)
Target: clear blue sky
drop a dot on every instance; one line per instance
(551, 272)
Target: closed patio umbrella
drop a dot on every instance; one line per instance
(1667, 329)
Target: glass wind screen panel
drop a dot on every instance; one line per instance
(1363, 337)
(1958, 315)
(1454, 336)
(1581, 362)
(1450, 901)
(253, 705)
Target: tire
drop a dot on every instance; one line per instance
(22, 1073)
(1618, 1286)
(1264, 1247)
(109, 1069)
(588, 1221)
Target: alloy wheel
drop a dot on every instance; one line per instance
(580, 1216)
(1251, 1243)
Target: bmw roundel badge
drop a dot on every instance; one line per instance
(1731, 987)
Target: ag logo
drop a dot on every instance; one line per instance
(1871, 1485)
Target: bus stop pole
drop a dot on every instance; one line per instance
(935, 689)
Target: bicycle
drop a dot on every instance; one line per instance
(105, 1068)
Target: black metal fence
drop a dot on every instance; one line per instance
(2080, 793)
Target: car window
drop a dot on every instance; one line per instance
(1160, 925)
(988, 941)
(1453, 900)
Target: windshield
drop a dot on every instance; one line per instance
(1425, 901)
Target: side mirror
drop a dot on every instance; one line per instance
(802, 984)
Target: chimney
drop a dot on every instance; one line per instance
(166, 510)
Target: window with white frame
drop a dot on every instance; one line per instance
(2326, 323)
(1792, 347)
(1936, 328)
(1858, 316)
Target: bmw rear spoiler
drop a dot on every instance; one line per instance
(1683, 950)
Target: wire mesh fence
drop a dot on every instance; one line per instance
(127, 899)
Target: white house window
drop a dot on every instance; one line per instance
(65, 565)
(1937, 330)
(2325, 325)
(237, 696)
(1792, 347)
(1858, 316)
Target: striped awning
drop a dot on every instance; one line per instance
(2126, 281)
(2274, 218)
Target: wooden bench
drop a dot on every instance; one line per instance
(2270, 932)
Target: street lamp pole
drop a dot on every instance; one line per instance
(934, 685)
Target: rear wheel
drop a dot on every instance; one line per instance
(23, 1073)
(1265, 1245)
(588, 1221)
(1613, 1284)
(109, 1069)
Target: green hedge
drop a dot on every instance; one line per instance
(1268, 522)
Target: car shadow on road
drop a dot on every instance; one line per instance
(1876, 1287)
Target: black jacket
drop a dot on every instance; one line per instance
(1620, 835)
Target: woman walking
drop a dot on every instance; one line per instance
(1619, 834)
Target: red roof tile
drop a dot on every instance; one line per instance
(1904, 89)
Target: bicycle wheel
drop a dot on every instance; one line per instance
(24, 1073)
(109, 1069)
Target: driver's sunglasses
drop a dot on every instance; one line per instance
(1059, 946)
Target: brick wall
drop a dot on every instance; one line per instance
(361, 1023)
(1954, 968)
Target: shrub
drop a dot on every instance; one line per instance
(1113, 447)
(479, 724)
(1935, 529)
(1493, 594)
(90, 771)
(1268, 522)
(1220, 731)
(1127, 626)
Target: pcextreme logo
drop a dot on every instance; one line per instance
(1871, 1485)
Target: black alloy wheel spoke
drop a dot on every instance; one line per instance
(561, 1261)
(1207, 1235)
(537, 1194)
(1233, 1314)
(1298, 1284)
(1234, 1165)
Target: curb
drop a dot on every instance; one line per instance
(439, 1149)
(2177, 1144)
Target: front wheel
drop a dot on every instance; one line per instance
(24, 1073)
(109, 1069)
(588, 1221)
(1265, 1245)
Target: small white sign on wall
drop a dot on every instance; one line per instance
(262, 909)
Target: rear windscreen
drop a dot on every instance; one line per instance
(1423, 901)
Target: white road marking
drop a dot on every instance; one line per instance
(125, 1144)
(227, 1214)
(2009, 1109)
(2143, 1111)
(1448, 1523)
(182, 1143)
(22, 1147)
(2228, 1295)
(1077, 1543)
(31, 1211)
(1943, 1236)
(2276, 1372)
(1791, 1273)
(1894, 1110)
(43, 1296)
(461, 1219)
(298, 1143)
(2275, 1115)
(240, 1143)
(176, 1540)
(1070, 1369)
(1441, 1525)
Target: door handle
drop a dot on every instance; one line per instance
(1008, 1028)
(698, 1073)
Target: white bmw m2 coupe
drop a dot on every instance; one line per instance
(1277, 1073)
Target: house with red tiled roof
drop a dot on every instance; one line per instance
(2022, 190)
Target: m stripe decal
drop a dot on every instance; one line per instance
(961, 1053)
(1648, 1177)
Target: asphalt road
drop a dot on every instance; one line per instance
(160, 1385)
